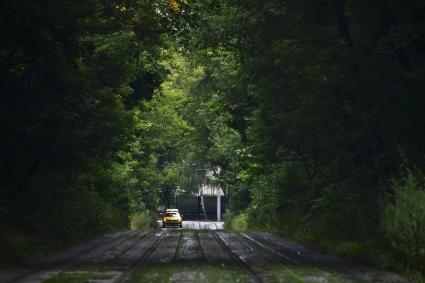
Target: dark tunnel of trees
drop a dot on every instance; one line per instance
(310, 113)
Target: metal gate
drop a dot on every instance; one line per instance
(190, 206)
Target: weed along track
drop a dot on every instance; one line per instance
(237, 257)
(182, 255)
(217, 256)
(109, 259)
(191, 256)
(133, 260)
(211, 256)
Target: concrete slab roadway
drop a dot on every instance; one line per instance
(199, 225)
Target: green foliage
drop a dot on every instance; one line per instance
(72, 76)
(326, 100)
(15, 248)
(304, 111)
(145, 220)
(237, 222)
(70, 278)
(404, 219)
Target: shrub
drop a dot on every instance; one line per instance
(145, 220)
(15, 248)
(228, 218)
(404, 220)
(236, 222)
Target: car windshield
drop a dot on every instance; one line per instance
(171, 214)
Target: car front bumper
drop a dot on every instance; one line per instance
(171, 224)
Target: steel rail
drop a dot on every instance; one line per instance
(273, 251)
(44, 266)
(127, 274)
(237, 259)
(314, 262)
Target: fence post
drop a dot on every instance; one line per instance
(218, 204)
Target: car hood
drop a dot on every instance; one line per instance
(171, 218)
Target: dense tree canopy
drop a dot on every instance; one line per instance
(309, 113)
(327, 98)
(71, 76)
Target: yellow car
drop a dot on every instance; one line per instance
(173, 218)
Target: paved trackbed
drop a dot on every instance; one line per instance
(191, 255)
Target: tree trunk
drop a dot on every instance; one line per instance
(342, 21)
(203, 207)
(33, 168)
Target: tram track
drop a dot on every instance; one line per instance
(237, 259)
(86, 255)
(61, 261)
(193, 255)
(269, 249)
(127, 274)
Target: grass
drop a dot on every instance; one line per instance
(85, 272)
(18, 249)
(180, 272)
(289, 273)
(204, 272)
(77, 277)
(199, 270)
(94, 267)
(372, 254)
(356, 252)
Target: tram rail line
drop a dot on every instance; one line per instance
(269, 249)
(35, 268)
(66, 261)
(253, 274)
(253, 256)
(127, 274)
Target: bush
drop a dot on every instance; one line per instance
(404, 220)
(15, 248)
(145, 220)
(236, 222)
(34, 231)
